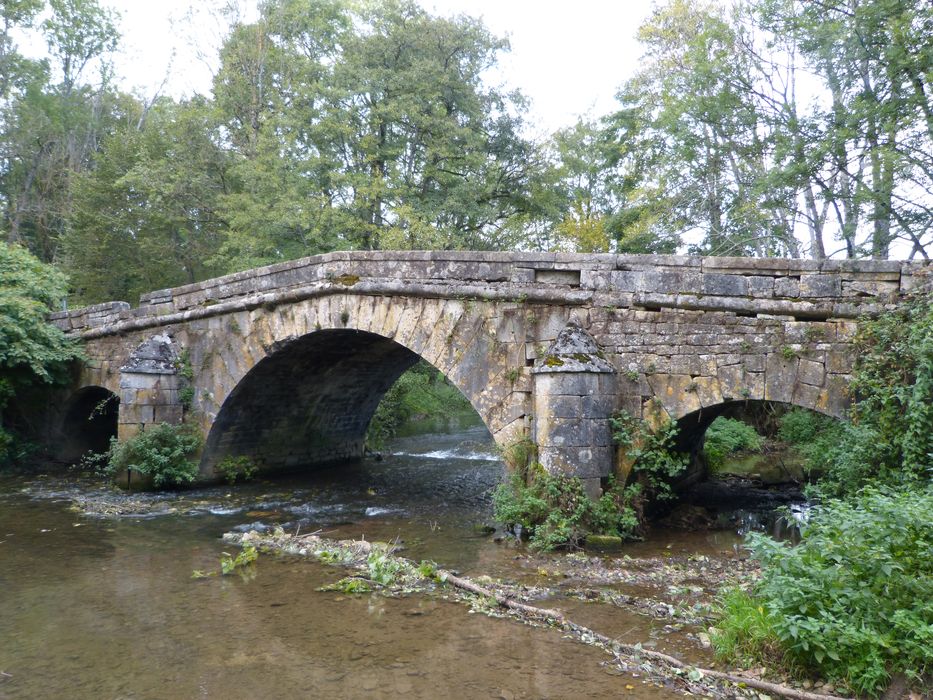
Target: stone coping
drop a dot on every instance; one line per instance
(806, 288)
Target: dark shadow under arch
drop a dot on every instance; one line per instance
(309, 402)
(89, 422)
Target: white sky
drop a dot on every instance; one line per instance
(569, 58)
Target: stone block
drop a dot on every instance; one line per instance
(760, 287)
(870, 288)
(598, 405)
(168, 414)
(820, 286)
(786, 287)
(731, 381)
(583, 462)
(724, 285)
(840, 361)
(806, 396)
(676, 392)
(780, 377)
(560, 406)
(125, 431)
(754, 386)
(810, 372)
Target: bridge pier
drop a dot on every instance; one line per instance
(575, 390)
(150, 387)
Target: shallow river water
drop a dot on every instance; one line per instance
(106, 607)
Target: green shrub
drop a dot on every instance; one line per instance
(554, 511)
(655, 462)
(854, 600)
(745, 631)
(241, 468)
(163, 452)
(727, 436)
(892, 417)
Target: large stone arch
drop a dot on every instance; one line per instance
(298, 384)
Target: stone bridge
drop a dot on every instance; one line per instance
(287, 363)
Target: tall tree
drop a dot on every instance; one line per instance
(365, 128)
(153, 203)
(749, 158)
(872, 142)
(53, 122)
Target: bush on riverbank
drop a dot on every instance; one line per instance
(852, 602)
(725, 437)
(554, 511)
(163, 452)
(420, 392)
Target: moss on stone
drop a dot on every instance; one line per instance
(347, 280)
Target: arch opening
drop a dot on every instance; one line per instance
(749, 439)
(89, 423)
(745, 465)
(308, 403)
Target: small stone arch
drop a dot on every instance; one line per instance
(692, 428)
(89, 421)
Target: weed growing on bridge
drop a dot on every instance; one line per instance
(655, 462)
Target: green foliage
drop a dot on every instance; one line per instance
(383, 568)
(745, 631)
(890, 437)
(818, 439)
(31, 349)
(554, 511)
(652, 452)
(420, 392)
(239, 468)
(366, 125)
(727, 436)
(244, 558)
(854, 600)
(163, 452)
(152, 202)
(33, 352)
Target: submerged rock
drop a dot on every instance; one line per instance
(604, 543)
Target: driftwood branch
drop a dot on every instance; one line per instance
(550, 615)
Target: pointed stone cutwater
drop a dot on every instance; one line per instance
(575, 391)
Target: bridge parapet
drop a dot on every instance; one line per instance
(803, 289)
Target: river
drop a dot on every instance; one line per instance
(98, 606)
